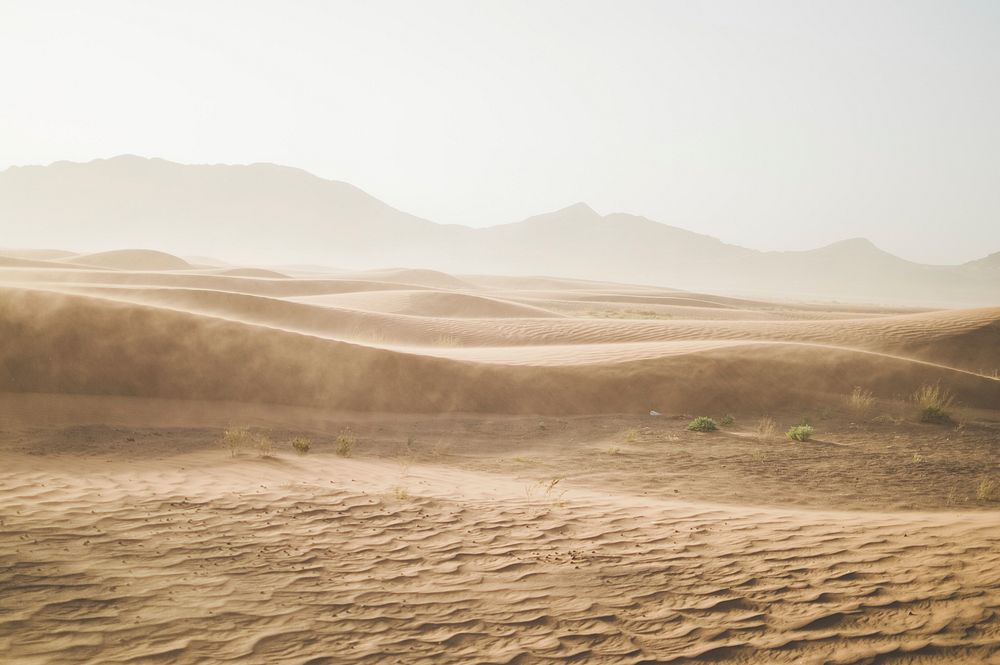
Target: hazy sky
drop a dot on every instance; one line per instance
(775, 125)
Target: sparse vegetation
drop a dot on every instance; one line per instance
(301, 445)
(702, 424)
(727, 420)
(235, 438)
(631, 435)
(861, 401)
(613, 450)
(758, 456)
(264, 444)
(766, 428)
(345, 443)
(800, 432)
(933, 402)
(987, 489)
(400, 493)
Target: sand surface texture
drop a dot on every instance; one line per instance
(506, 497)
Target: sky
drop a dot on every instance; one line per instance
(773, 125)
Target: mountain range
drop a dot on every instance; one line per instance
(278, 214)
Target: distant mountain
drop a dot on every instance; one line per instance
(991, 262)
(274, 214)
(270, 211)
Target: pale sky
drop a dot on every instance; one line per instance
(774, 125)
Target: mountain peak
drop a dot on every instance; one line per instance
(852, 245)
(579, 208)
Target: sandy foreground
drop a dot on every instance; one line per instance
(508, 497)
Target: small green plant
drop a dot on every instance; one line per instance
(766, 428)
(631, 435)
(264, 444)
(345, 443)
(235, 438)
(800, 432)
(918, 458)
(702, 424)
(301, 445)
(861, 401)
(727, 420)
(933, 402)
(988, 489)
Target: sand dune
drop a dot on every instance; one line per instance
(253, 272)
(132, 259)
(510, 498)
(432, 303)
(237, 351)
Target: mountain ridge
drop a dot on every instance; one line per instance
(271, 213)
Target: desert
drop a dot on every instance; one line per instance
(495, 470)
(499, 332)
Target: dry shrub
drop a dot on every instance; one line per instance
(933, 402)
(264, 444)
(345, 443)
(988, 489)
(861, 401)
(235, 438)
(766, 428)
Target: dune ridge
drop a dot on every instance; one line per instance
(487, 480)
(201, 356)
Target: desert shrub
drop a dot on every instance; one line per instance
(727, 420)
(987, 489)
(766, 428)
(631, 435)
(702, 424)
(613, 450)
(264, 444)
(235, 438)
(345, 443)
(933, 402)
(861, 401)
(301, 445)
(800, 432)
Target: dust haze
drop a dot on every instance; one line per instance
(693, 358)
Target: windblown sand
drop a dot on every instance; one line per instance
(509, 499)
